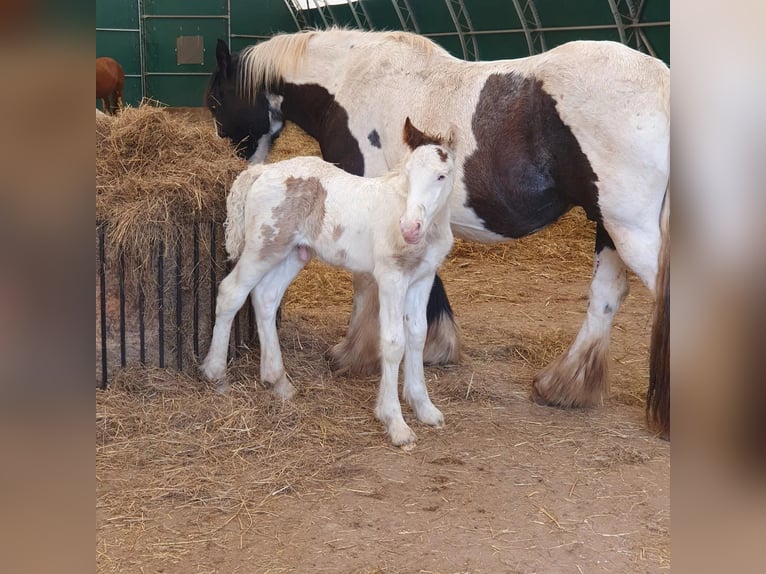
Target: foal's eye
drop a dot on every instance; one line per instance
(441, 177)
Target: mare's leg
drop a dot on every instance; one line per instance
(392, 291)
(266, 298)
(578, 378)
(415, 391)
(359, 353)
(105, 105)
(231, 295)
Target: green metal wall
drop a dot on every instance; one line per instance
(141, 34)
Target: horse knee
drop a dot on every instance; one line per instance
(392, 346)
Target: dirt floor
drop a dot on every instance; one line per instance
(192, 481)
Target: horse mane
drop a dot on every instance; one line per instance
(262, 66)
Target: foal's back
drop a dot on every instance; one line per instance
(345, 219)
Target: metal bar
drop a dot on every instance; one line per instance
(161, 302)
(228, 22)
(553, 29)
(237, 339)
(102, 283)
(405, 15)
(524, 26)
(254, 36)
(321, 14)
(141, 56)
(291, 9)
(366, 15)
(118, 29)
(618, 20)
(213, 282)
(123, 361)
(538, 25)
(354, 14)
(646, 42)
(179, 310)
(141, 325)
(195, 289)
(462, 21)
(206, 74)
(185, 17)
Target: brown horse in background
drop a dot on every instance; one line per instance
(110, 81)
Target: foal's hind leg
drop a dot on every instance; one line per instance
(578, 378)
(232, 293)
(266, 298)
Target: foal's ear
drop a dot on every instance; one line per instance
(413, 137)
(222, 55)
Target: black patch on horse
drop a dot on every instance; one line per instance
(528, 169)
(237, 118)
(314, 109)
(374, 138)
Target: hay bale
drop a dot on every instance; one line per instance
(293, 142)
(155, 174)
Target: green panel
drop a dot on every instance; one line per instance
(659, 38)
(451, 44)
(553, 39)
(117, 14)
(656, 11)
(432, 17)
(492, 15)
(160, 42)
(177, 90)
(122, 46)
(344, 17)
(554, 13)
(185, 7)
(382, 14)
(264, 18)
(502, 46)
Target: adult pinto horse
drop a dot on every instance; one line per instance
(110, 82)
(585, 124)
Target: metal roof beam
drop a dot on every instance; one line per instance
(361, 17)
(406, 16)
(627, 16)
(296, 14)
(463, 26)
(530, 23)
(324, 13)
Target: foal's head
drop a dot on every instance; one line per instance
(430, 169)
(235, 116)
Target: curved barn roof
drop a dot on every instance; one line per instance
(485, 29)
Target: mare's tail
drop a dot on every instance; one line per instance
(658, 395)
(235, 210)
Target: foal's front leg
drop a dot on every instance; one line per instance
(416, 325)
(392, 291)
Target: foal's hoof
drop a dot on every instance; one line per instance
(283, 388)
(401, 435)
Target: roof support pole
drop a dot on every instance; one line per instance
(406, 16)
(463, 26)
(530, 23)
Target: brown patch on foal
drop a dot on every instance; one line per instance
(337, 231)
(303, 209)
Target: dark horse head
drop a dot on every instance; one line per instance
(252, 126)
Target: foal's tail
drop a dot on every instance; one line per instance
(658, 395)
(235, 210)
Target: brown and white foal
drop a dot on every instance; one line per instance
(395, 228)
